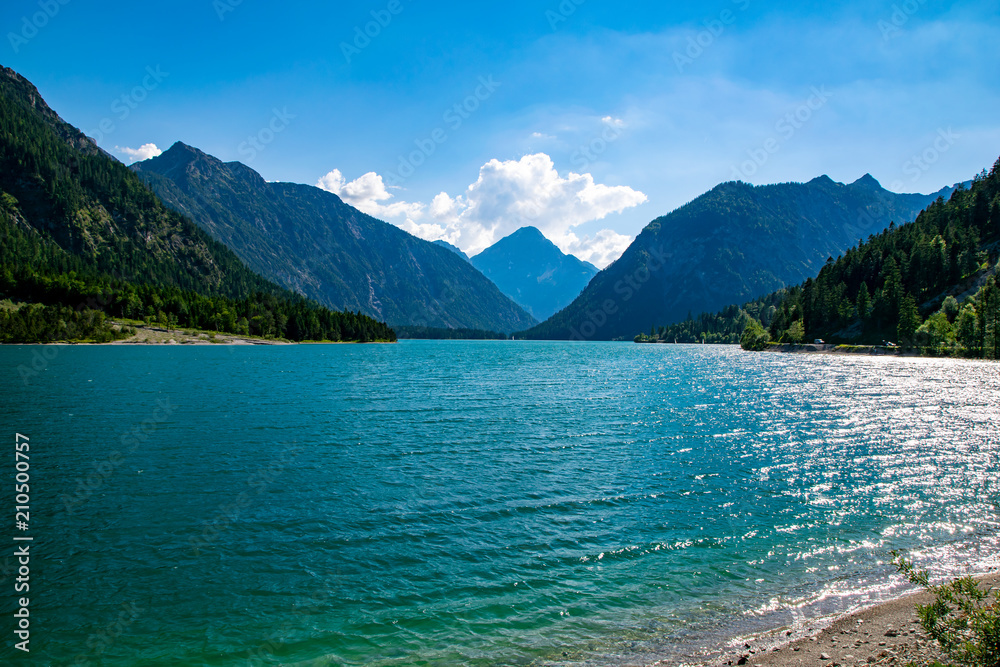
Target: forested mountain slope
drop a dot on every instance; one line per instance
(732, 244)
(310, 241)
(82, 237)
(930, 284)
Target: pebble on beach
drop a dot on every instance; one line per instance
(887, 634)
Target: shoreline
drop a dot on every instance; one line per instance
(864, 351)
(153, 335)
(829, 348)
(887, 633)
(840, 349)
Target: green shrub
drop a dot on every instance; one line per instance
(754, 337)
(963, 618)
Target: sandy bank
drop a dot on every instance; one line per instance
(150, 335)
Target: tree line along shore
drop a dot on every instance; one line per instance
(928, 287)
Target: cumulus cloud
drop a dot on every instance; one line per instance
(368, 193)
(511, 194)
(507, 195)
(143, 152)
(605, 247)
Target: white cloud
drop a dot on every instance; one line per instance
(369, 194)
(332, 182)
(614, 122)
(542, 135)
(606, 246)
(507, 195)
(143, 152)
(511, 194)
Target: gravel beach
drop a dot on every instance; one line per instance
(886, 634)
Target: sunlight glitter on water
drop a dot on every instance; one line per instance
(505, 503)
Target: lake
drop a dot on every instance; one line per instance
(480, 503)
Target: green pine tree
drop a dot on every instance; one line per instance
(909, 320)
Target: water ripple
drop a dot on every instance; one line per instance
(492, 503)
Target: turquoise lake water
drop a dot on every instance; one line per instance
(480, 503)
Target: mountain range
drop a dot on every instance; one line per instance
(929, 284)
(532, 271)
(732, 244)
(65, 190)
(310, 241)
(82, 238)
(63, 194)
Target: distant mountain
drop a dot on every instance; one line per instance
(535, 273)
(730, 245)
(453, 248)
(310, 241)
(82, 238)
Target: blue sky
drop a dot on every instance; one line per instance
(584, 118)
